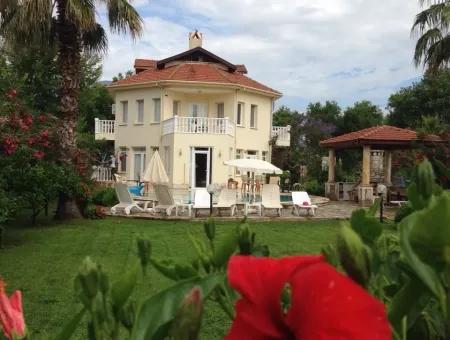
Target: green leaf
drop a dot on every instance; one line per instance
(415, 198)
(430, 232)
(225, 248)
(366, 226)
(122, 289)
(174, 270)
(425, 179)
(428, 276)
(71, 326)
(374, 208)
(159, 310)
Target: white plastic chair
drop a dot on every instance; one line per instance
(270, 198)
(302, 201)
(201, 200)
(166, 203)
(126, 202)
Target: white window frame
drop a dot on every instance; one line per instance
(240, 116)
(124, 104)
(141, 151)
(254, 116)
(220, 110)
(140, 111)
(156, 109)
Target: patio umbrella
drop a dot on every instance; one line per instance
(155, 172)
(254, 165)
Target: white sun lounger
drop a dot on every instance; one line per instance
(166, 203)
(270, 198)
(302, 201)
(201, 200)
(227, 200)
(126, 202)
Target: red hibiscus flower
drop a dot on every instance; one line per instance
(9, 145)
(42, 118)
(324, 305)
(39, 154)
(11, 314)
(44, 134)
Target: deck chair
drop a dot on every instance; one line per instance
(165, 200)
(126, 202)
(301, 201)
(274, 180)
(227, 200)
(270, 198)
(201, 200)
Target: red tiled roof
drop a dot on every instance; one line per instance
(195, 72)
(382, 134)
(145, 63)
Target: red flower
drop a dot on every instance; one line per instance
(325, 304)
(44, 134)
(31, 141)
(39, 154)
(9, 145)
(11, 314)
(12, 93)
(27, 119)
(42, 118)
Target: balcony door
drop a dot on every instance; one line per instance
(200, 167)
(198, 109)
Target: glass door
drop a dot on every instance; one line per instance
(201, 167)
(139, 165)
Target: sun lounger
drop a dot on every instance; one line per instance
(201, 200)
(270, 198)
(126, 202)
(302, 201)
(166, 203)
(227, 200)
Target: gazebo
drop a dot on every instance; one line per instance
(384, 137)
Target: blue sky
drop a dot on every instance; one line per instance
(343, 50)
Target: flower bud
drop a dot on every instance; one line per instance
(186, 325)
(425, 179)
(210, 229)
(353, 255)
(144, 251)
(89, 278)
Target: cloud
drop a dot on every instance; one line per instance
(344, 50)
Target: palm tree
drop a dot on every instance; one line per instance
(72, 26)
(432, 28)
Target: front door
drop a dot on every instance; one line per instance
(201, 167)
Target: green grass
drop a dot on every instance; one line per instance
(42, 261)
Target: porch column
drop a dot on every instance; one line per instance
(387, 167)
(365, 176)
(331, 164)
(365, 192)
(330, 186)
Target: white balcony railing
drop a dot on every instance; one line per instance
(101, 174)
(104, 129)
(198, 125)
(282, 134)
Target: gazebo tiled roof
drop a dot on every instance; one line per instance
(382, 135)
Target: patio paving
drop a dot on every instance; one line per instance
(329, 210)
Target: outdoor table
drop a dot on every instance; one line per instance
(145, 200)
(253, 207)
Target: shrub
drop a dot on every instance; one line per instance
(402, 212)
(106, 197)
(313, 187)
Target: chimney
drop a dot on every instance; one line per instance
(195, 39)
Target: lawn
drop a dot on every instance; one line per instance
(42, 261)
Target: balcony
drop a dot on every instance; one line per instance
(104, 129)
(198, 125)
(282, 135)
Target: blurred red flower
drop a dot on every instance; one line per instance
(324, 303)
(38, 154)
(11, 314)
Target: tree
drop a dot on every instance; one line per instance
(361, 115)
(72, 27)
(432, 26)
(428, 97)
(120, 75)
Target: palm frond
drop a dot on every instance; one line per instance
(438, 54)
(123, 18)
(95, 40)
(428, 39)
(82, 13)
(431, 17)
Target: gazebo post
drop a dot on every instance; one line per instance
(387, 166)
(365, 192)
(330, 186)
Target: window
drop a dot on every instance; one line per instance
(139, 163)
(176, 107)
(140, 111)
(123, 160)
(264, 156)
(124, 112)
(251, 154)
(239, 154)
(253, 116)
(240, 114)
(156, 110)
(167, 162)
(220, 110)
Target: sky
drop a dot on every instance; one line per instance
(342, 50)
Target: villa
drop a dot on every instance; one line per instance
(198, 110)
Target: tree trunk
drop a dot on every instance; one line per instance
(69, 55)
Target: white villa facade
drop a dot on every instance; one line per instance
(198, 110)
